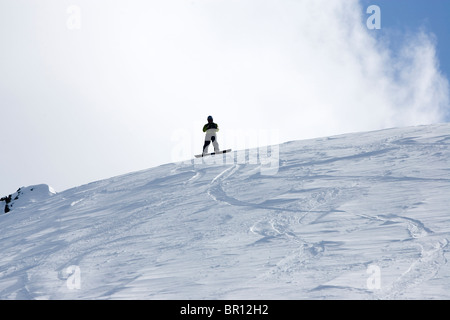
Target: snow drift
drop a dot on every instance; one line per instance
(355, 216)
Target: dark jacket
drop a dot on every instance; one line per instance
(210, 125)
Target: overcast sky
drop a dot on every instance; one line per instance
(90, 89)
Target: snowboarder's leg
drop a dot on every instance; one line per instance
(215, 144)
(206, 146)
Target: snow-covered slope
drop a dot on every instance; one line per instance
(356, 216)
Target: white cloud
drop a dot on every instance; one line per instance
(313, 68)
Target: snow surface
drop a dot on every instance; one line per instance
(355, 216)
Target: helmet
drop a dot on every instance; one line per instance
(210, 118)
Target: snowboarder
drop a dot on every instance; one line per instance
(211, 130)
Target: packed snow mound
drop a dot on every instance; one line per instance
(354, 216)
(25, 196)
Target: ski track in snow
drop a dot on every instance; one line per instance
(421, 269)
(200, 230)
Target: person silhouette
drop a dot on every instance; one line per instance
(211, 130)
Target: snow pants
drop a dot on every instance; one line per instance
(210, 137)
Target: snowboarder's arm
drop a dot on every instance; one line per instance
(210, 126)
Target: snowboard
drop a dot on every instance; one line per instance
(212, 153)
